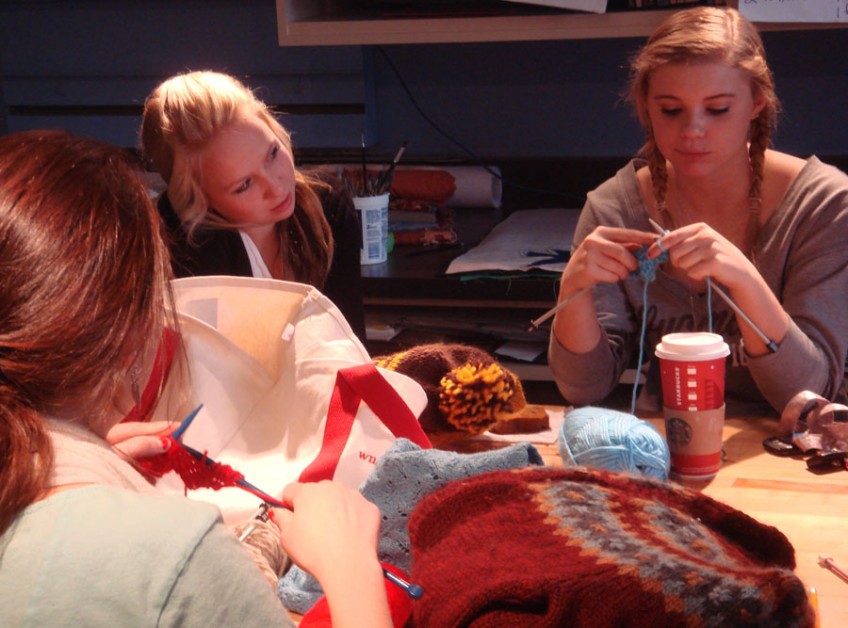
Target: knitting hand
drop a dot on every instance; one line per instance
(136, 439)
(332, 532)
(328, 524)
(700, 252)
(605, 255)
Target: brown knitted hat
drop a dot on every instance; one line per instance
(467, 389)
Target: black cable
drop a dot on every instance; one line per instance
(470, 153)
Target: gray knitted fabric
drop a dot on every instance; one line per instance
(402, 476)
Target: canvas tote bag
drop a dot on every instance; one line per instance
(264, 359)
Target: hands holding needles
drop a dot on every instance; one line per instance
(615, 265)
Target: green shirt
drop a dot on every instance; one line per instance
(103, 556)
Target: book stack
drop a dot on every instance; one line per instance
(417, 210)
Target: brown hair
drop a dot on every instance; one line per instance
(180, 116)
(713, 35)
(82, 289)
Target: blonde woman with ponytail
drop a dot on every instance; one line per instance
(236, 204)
(766, 226)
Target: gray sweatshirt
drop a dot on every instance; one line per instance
(801, 252)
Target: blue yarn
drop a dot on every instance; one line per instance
(613, 440)
(648, 272)
(709, 305)
(648, 267)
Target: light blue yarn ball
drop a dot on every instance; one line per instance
(612, 440)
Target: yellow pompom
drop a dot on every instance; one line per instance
(474, 395)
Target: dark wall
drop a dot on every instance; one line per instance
(563, 97)
(497, 100)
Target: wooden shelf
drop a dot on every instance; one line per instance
(323, 23)
(341, 22)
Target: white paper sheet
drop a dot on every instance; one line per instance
(794, 10)
(593, 6)
(528, 239)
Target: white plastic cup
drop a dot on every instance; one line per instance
(373, 215)
(692, 374)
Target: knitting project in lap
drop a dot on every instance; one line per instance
(583, 547)
(401, 478)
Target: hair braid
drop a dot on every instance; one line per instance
(760, 132)
(659, 177)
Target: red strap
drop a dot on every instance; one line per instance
(354, 385)
(158, 376)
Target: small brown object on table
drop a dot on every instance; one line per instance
(529, 420)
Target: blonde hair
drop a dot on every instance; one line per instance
(180, 116)
(707, 34)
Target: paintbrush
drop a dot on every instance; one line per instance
(386, 176)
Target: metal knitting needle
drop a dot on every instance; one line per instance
(770, 344)
(828, 563)
(534, 325)
(260, 515)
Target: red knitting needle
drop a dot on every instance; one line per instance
(224, 475)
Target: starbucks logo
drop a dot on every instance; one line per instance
(678, 432)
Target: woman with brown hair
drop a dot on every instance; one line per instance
(767, 226)
(85, 539)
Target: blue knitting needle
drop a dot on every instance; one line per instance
(177, 434)
(770, 344)
(412, 590)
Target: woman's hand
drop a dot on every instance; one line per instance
(327, 522)
(700, 252)
(332, 532)
(605, 255)
(135, 439)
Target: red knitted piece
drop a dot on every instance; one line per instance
(194, 473)
(582, 547)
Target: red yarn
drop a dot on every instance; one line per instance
(195, 473)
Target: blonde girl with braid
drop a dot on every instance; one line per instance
(766, 226)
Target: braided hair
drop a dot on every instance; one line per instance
(707, 34)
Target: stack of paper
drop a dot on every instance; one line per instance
(530, 239)
(593, 6)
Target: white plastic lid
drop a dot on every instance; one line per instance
(694, 346)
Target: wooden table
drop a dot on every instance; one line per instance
(811, 510)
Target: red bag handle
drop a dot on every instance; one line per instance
(354, 385)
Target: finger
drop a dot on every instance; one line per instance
(282, 517)
(142, 446)
(123, 431)
(292, 493)
(626, 236)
